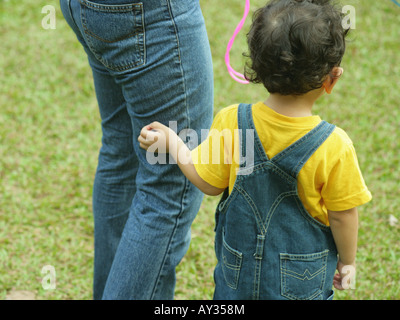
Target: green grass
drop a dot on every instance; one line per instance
(50, 136)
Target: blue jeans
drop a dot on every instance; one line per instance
(151, 61)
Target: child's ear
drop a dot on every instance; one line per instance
(332, 79)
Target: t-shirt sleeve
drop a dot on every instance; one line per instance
(213, 157)
(345, 188)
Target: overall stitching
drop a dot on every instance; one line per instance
(258, 255)
(253, 207)
(275, 205)
(257, 142)
(324, 136)
(298, 143)
(306, 257)
(234, 267)
(265, 166)
(309, 218)
(288, 173)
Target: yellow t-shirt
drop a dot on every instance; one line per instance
(330, 180)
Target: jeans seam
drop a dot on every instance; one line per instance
(70, 13)
(186, 185)
(178, 49)
(254, 208)
(322, 138)
(275, 205)
(171, 16)
(309, 217)
(112, 8)
(282, 173)
(170, 241)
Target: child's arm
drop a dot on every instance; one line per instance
(168, 141)
(344, 226)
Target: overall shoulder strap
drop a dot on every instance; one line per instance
(293, 158)
(251, 147)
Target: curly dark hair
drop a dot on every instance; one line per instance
(294, 44)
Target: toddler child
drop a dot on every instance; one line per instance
(289, 219)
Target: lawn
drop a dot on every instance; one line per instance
(50, 136)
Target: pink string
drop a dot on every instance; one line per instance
(234, 74)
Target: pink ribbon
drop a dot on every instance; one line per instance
(234, 74)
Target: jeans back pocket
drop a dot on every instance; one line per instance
(115, 34)
(303, 275)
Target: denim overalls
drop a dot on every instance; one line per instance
(268, 246)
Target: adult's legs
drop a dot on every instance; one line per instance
(160, 71)
(115, 180)
(176, 86)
